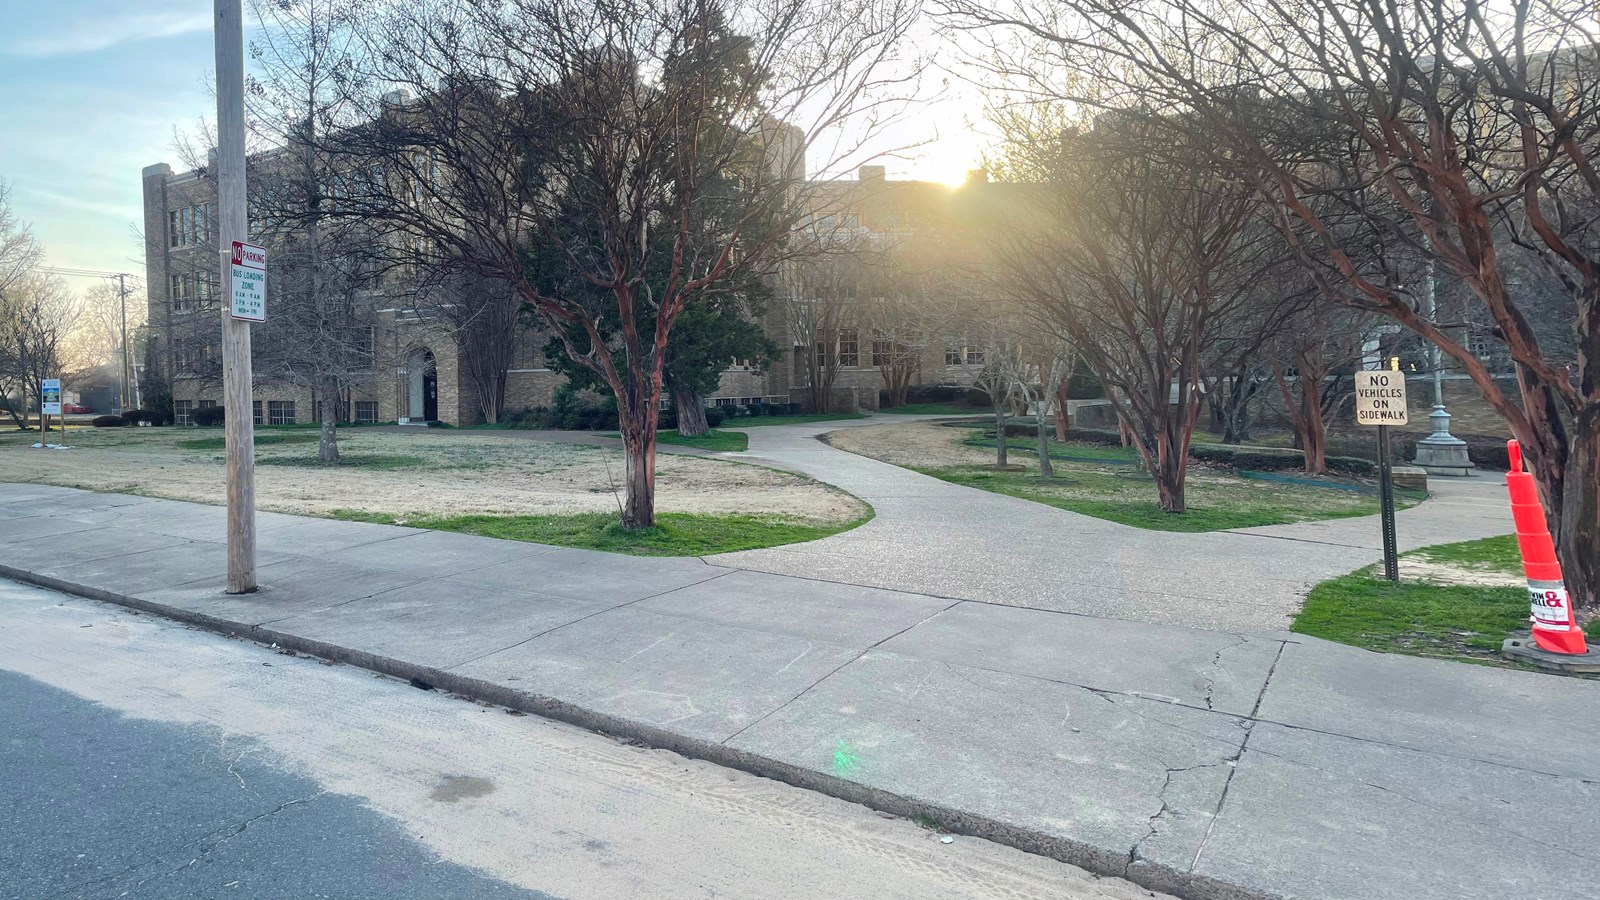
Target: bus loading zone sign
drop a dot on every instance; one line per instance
(247, 279)
(1381, 398)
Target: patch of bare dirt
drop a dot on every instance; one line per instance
(1419, 568)
(438, 475)
(917, 445)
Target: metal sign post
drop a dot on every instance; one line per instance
(1381, 401)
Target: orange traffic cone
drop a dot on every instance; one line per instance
(1554, 628)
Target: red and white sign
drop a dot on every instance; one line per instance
(1551, 611)
(247, 282)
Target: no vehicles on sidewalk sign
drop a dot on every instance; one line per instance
(1381, 398)
(247, 279)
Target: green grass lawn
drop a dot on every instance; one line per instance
(675, 534)
(1124, 494)
(729, 441)
(1072, 450)
(935, 409)
(1448, 621)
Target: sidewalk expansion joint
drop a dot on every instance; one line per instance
(1233, 769)
(597, 612)
(837, 669)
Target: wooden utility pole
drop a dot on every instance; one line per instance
(236, 374)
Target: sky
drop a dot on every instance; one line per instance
(92, 91)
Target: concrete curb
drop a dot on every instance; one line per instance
(1118, 864)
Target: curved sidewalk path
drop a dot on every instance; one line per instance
(933, 537)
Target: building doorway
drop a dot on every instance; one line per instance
(424, 386)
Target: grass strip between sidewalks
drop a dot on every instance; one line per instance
(675, 534)
(1427, 617)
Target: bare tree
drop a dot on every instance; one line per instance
(557, 130)
(916, 284)
(1050, 363)
(37, 315)
(31, 329)
(322, 333)
(1310, 363)
(97, 339)
(1003, 372)
(1450, 132)
(819, 297)
(1141, 256)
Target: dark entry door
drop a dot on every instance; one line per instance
(430, 395)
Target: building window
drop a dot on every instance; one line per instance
(880, 353)
(192, 290)
(952, 356)
(190, 226)
(183, 412)
(341, 411)
(974, 356)
(280, 412)
(367, 411)
(849, 348)
(207, 404)
(255, 413)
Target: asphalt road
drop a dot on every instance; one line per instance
(143, 759)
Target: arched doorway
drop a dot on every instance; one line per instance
(424, 387)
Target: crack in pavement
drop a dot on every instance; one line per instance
(221, 836)
(1154, 821)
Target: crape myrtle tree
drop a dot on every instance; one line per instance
(654, 148)
(1311, 360)
(1146, 260)
(708, 338)
(1455, 130)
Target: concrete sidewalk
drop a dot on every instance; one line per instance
(1205, 763)
(939, 538)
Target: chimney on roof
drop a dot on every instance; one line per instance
(977, 176)
(870, 173)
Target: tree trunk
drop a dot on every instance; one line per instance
(1578, 541)
(1045, 469)
(1312, 431)
(1171, 467)
(639, 444)
(999, 433)
(1235, 409)
(328, 439)
(691, 413)
(1063, 416)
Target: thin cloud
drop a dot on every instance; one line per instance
(101, 32)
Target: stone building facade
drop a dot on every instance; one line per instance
(417, 375)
